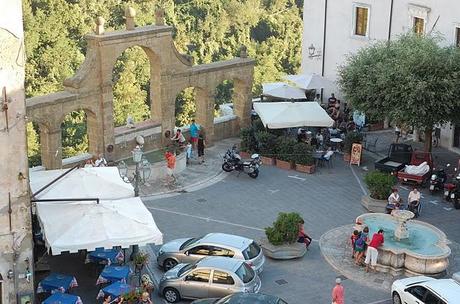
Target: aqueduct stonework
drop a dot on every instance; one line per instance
(90, 89)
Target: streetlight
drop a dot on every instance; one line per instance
(312, 52)
(137, 158)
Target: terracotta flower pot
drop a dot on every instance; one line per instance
(283, 164)
(244, 154)
(305, 168)
(346, 157)
(268, 161)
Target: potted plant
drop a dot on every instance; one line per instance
(379, 185)
(303, 158)
(281, 238)
(140, 260)
(266, 144)
(248, 142)
(131, 297)
(350, 139)
(285, 152)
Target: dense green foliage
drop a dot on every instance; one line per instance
(285, 229)
(350, 139)
(209, 30)
(411, 80)
(303, 154)
(379, 184)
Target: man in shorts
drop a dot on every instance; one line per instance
(372, 252)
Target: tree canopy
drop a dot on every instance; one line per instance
(412, 80)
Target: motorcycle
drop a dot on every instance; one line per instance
(455, 193)
(438, 179)
(233, 161)
(449, 188)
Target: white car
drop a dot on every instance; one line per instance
(425, 290)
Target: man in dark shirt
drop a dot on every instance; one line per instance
(332, 100)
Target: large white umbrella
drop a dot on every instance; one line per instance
(282, 90)
(309, 81)
(279, 115)
(95, 182)
(73, 226)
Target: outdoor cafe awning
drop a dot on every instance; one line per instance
(279, 115)
(73, 226)
(282, 90)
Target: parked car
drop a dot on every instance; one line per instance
(425, 290)
(213, 277)
(190, 250)
(243, 298)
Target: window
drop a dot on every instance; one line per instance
(457, 36)
(199, 276)
(361, 20)
(245, 273)
(200, 250)
(221, 277)
(252, 251)
(218, 251)
(419, 25)
(431, 298)
(417, 291)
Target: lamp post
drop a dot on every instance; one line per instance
(313, 52)
(137, 158)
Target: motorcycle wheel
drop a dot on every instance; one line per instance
(254, 174)
(226, 167)
(457, 204)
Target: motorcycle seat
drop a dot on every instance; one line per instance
(449, 186)
(246, 163)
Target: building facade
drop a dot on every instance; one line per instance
(334, 29)
(16, 261)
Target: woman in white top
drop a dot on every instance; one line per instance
(394, 201)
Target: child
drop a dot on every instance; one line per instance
(170, 166)
(360, 245)
(302, 236)
(188, 151)
(353, 238)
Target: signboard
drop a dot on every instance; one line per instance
(355, 158)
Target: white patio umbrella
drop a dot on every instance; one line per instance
(95, 182)
(282, 90)
(73, 226)
(309, 81)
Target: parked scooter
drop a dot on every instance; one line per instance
(449, 188)
(455, 193)
(233, 161)
(438, 179)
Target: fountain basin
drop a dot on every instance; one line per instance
(424, 252)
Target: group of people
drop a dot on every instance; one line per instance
(196, 142)
(395, 201)
(365, 248)
(340, 113)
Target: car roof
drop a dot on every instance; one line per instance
(229, 240)
(251, 298)
(447, 288)
(223, 263)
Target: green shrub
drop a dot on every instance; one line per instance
(258, 125)
(248, 140)
(285, 148)
(379, 184)
(285, 229)
(302, 154)
(350, 139)
(266, 143)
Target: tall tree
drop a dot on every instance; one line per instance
(411, 80)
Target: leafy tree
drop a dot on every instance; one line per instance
(74, 134)
(185, 107)
(33, 146)
(412, 80)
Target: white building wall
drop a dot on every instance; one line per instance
(441, 16)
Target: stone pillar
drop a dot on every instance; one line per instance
(100, 26)
(130, 13)
(242, 100)
(51, 147)
(95, 134)
(16, 254)
(205, 112)
(107, 118)
(159, 16)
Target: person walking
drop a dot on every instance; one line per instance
(338, 292)
(194, 133)
(201, 145)
(372, 252)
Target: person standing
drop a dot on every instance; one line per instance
(338, 292)
(201, 145)
(170, 166)
(372, 252)
(194, 129)
(331, 101)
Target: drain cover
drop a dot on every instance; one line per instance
(201, 200)
(380, 281)
(281, 282)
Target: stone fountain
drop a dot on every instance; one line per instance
(411, 247)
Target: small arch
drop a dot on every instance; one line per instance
(223, 98)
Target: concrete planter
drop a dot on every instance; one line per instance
(374, 205)
(283, 252)
(268, 161)
(285, 165)
(305, 168)
(376, 126)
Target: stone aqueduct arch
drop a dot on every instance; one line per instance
(90, 88)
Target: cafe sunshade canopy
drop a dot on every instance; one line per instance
(279, 115)
(73, 226)
(282, 90)
(309, 81)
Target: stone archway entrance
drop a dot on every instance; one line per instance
(91, 88)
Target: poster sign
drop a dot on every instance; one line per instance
(355, 158)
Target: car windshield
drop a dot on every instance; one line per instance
(189, 242)
(245, 273)
(184, 269)
(252, 251)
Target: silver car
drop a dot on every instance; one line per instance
(190, 250)
(210, 277)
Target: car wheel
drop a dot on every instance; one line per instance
(396, 298)
(171, 295)
(169, 264)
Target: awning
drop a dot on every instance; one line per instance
(279, 115)
(96, 182)
(73, 226)
(309, 81)
(282, 90)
